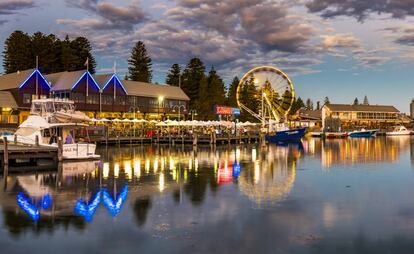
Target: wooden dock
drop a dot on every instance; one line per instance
(20, 157)
(176, 140)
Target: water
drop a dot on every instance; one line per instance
(338, 196)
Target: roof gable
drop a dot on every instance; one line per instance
(154, 90)
(115, 80)
(362, 108)
(15, 79)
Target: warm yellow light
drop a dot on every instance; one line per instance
(254, 154)
(256, 172)
(147, 166)
(137, 168)
(6, 109)
(160, 98)
(105, 170)
(128, 169)
(116, 170)
(256, 81)
(161, 185)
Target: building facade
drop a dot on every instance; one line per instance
(98, 96)
(336, 117)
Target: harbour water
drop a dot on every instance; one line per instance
(333, 196)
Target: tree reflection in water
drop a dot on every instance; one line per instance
(141, 209)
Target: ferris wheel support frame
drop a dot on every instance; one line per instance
(270, 106)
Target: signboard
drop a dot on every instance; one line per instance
(224, 110)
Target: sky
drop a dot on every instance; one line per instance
(337, 48)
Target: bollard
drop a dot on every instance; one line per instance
(6, 153)
(37, 140)
(15, 139)
(60, 149)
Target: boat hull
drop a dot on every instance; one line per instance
(288, 135)
(402, 133)
(362, 134)
(336, 134)
(79, 151)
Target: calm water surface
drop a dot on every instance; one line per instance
(338, 196)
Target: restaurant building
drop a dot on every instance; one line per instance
(337, 117)
(97, 95)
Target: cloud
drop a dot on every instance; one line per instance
(340, 41)
(360, 9)
(8, 7)
(109, 15)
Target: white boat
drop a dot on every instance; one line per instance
(36, 129)
(399, 131)
(57, 110)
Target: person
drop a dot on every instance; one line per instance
(69, 139)
(53, 139)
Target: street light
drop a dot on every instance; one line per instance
(193, 113)
(160, 100)
(179, 110)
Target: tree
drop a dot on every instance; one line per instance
(83, 51)
(356, 102)
(217, 91)
(203, 106)
(17, 54)
(250, 97)
(326, 100)
(47, 49)
(309, 104)
(318, 105)
(231, 93)
(190, 83)
(365, 100)
(140, 64)
(174, 75)
(68, 58)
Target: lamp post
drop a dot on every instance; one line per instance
(179, 110)
(193, 113)
(160, 100)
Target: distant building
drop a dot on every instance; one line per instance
(344, 116)
(412, 109)
(97, 95)
(307, 118)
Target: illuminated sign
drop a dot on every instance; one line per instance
(223, 110)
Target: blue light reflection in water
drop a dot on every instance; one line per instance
(88, 209)
(236, 169)
(114, 206)
(27, 206)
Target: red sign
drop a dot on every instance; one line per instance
(221, 110)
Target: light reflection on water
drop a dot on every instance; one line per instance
(305, 195)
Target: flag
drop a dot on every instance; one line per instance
(86, 62)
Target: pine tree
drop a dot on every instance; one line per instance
(190, 83)
(232, 92)
(217, 93)
(204, 108)
(174, 75)
(326, 101)
(309, 104)
(140, 64)
(356, 101)
(17, 54)
(68, 58)
(318, 105)
(45, 47)
(365, 100)
(83, 51)
(250, 97)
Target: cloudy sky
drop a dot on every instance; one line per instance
(336, 48)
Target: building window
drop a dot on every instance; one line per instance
(92, 99)
(78, 97)
(27, 98)
(107, 99)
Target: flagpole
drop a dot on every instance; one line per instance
(87, 77)
(37, 79)
(114, 79)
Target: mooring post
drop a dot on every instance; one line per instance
(37, 140)
(60, 149)
(6, 153)
(195, 139)
(15, 139)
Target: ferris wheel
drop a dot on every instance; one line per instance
(266, 93)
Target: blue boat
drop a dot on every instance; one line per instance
(362, 133)
(287, 135)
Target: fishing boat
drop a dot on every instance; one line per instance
(399, 131)
(37, 130)
(57, 110)
(336, 134)
(286, 135)
(362, 133)
(315, 134)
